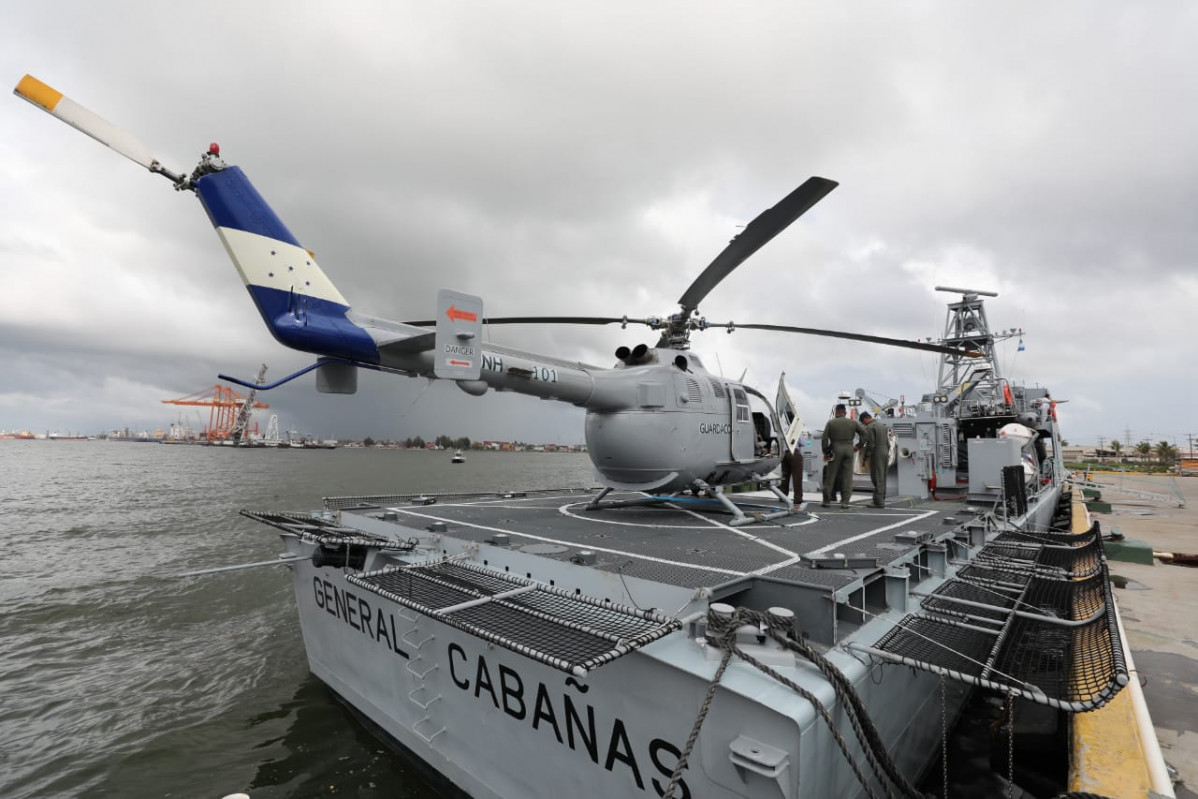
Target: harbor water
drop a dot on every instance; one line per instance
(120, 679)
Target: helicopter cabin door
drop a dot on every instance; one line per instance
(743, 433)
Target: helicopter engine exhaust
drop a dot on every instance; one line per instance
(635, 356)
(640, 354)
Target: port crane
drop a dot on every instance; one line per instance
(229, 412)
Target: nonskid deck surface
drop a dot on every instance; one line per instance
(687, 542)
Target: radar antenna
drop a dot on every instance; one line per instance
(976, 378)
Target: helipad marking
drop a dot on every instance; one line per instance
(563, 510)
(746, 535)
(571, 544)
(875, 531)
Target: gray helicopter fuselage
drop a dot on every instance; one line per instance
(683, 425)
(657, 425)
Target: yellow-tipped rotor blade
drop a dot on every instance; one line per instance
(78, 117)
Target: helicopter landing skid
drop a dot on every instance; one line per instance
(598, 504)
(739, 517)
(712, 494)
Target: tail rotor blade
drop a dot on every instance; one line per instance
(55, 103)
(756, 235)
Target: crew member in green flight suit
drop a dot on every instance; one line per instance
(838, 448)
(877, 449)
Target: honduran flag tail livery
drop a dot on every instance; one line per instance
(300, 305)
(297, 301)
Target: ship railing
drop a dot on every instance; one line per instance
(1035, 628)
(565, 630)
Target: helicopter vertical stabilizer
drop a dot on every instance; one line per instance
(300, 305)
(457, 354)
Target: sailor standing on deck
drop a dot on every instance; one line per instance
(838, 448)
(877, 450)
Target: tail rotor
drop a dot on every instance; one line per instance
(59, 105)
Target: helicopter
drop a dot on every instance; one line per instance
(657, 421)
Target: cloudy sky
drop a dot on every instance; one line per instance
(592, 158)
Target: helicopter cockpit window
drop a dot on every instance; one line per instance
(742, 404)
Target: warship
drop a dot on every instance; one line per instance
(655, 648)
(688, 628)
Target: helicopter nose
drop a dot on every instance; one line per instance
(631, 446)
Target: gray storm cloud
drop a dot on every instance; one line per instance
(591, 159)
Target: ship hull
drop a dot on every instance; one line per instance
(497, 723)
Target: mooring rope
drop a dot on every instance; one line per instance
(721, 632)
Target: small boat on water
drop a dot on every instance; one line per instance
(458, 457)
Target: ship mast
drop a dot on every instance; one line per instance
(974, 378)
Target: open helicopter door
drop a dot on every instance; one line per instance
(788, 415)
(458, 348)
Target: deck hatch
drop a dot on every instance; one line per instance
(568, 631)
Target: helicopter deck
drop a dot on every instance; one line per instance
(684, 542)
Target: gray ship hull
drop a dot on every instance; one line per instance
(503, 716)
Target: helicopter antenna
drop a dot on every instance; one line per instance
(419, 395)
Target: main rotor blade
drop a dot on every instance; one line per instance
(543, 320)
(55, 103)
(755, 236)
(892, 342)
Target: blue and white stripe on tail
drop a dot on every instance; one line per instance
(300, 305)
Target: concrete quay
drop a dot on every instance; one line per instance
(1159, 607)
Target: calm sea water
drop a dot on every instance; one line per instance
(118, 679)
